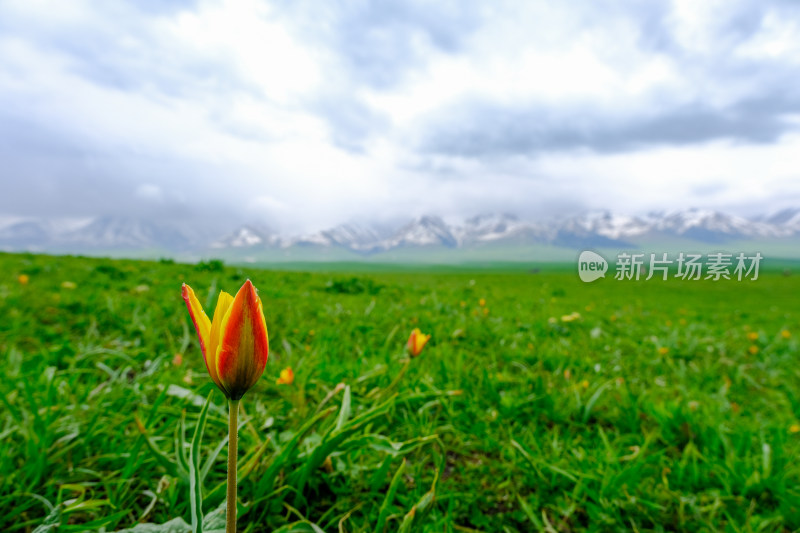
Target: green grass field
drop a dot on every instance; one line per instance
(661, 406)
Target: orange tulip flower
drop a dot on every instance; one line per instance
(416, 342)
(235, 344)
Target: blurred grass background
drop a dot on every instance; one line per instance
(540, 402)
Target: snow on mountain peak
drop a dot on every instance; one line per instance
(425, 231)
(247, 236)
(594, 228)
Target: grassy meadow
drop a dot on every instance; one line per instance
(540, 403)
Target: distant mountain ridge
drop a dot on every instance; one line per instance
(594, 229)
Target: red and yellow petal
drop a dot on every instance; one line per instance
(199, 318)
(422, 340)
(243, 345)
(416, 342)
(223, 306)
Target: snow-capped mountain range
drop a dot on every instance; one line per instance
(592, 229)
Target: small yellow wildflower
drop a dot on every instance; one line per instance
(752, 336)
(286, 377)
(753, 349)
(482, 302)
(571, 317)
(663, 350)
(567, 374)
(585, 383)
(786, 334)
(23, 279)
(794, 428)
(68, 285)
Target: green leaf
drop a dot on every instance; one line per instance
(417, 514)
(176, 525)
(344, 412)
(213, 522)
(213, 456)
(303, 526)
(51, 522)
(195, 479)
(180, 449)
(387, 502)
(596, 396)
(162, 459)
(335, 437)
(529, 513)
(265, 485)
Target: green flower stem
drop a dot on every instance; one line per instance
(233, 447)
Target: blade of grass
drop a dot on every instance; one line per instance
(420, 509)
(344, 412)
(162, 459)
(195, 479)
(387, 501)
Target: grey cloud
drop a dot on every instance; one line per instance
(485, 129)
(733, 23)
(119, 47)
(375, 40)
(742, 21)
(49, 172)
(352, 121)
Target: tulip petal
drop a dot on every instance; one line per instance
(421, 340)
(412, 340)
(416, 342)
(244, 345)
(201, 322)
(223, 306)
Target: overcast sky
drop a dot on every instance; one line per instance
(306, 114)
